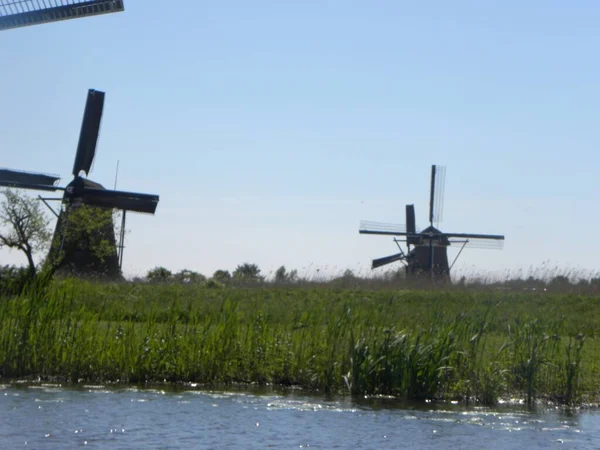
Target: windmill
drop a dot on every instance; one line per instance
(76, 255)
(427, 250)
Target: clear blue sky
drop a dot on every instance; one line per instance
(270, 129)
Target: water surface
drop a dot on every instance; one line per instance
(51, 416)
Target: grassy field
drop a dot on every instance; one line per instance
(467, 344)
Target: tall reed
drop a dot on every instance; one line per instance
(471, 346)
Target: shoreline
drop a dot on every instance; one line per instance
(511, 402)
(413, 345)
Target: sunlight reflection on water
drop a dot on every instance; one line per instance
(97, 416)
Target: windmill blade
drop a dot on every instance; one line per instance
(389, 229)
(410, 224)
(436, 194)
(33, 187)
(431, 194)
(367, 226)
(387, 260)
(410, 219)
(28, 180)
(486, 244)
(90, 129)
(127, 201)
(20, 13)
(440, 189)
(497, 237)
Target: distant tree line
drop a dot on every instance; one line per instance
(246, 273)
(25, 228)
(250, 274)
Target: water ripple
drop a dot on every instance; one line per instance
(156, 418)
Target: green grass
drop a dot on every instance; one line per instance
(472, 345)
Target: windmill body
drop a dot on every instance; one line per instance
(74, 253)
(427, 250)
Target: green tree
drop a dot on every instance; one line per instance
(91, 226)
(249, 273)
(283, 276)
(13, 279)
(189, 276)
(222, 276)
(159, 275)
(560, 281)
(24, 226)
(84, 243)
(348, 273)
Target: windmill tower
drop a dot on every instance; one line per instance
(75, 252)
(427, 250)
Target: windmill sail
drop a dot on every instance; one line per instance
(411, 228)
(436, 194)
(498, 237)
(392, 229)
(127, 201)
(470, 240)
(20, 13)
(387, 260)
(90, 129)
(28, 180)
(440, 189)
(487, 244)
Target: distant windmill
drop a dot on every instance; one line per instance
(83, 191)
(427, 249)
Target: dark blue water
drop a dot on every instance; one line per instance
(55, 417)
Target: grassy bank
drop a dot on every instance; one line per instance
(472, 345)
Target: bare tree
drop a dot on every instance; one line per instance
(23, 226)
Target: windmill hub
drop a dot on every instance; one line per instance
(76, 189)
(433, 236)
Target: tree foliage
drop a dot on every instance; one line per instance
(92, 227)
(12, 279)
(560, 281)
(159, 275)
(189, 276)
(84, 243)
(348, 273)
(283, 276)
(248, 273)
(222, 276)
(24, 226)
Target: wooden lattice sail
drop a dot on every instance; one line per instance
(22, 13)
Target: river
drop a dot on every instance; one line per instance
(49, 416)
